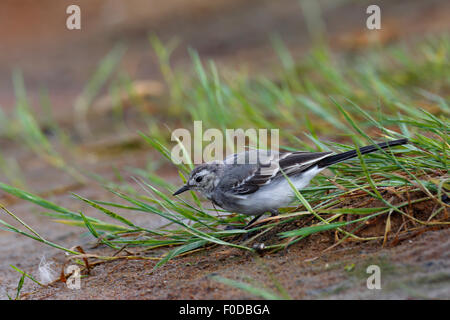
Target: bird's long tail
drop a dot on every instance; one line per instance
(353, 153)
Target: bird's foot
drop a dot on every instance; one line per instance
(273, 213)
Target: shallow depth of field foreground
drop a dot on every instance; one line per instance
(86, 177)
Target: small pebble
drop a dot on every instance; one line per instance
(259, 246)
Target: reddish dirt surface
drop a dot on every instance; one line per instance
(410, 270)
(234, 33)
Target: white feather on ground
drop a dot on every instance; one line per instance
(46, 274)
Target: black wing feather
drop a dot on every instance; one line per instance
(291, 163)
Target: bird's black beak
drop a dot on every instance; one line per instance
(181, 190)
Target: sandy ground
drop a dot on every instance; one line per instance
(411, 270)
(234, 33)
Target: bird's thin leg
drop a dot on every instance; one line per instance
(273, 213)
(246, 226)
(253, 221)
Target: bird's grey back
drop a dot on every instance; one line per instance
(245, 172)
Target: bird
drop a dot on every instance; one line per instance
(254, 182)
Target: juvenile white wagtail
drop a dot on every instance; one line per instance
(256, 187)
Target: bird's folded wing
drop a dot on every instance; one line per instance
(247, 178)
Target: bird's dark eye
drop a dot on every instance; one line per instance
(199, 179)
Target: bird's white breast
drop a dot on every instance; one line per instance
(277, 194)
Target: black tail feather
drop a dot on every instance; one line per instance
(353, 153)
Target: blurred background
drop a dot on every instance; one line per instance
(51, 77)
(34, 37)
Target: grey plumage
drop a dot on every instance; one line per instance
(253, 182)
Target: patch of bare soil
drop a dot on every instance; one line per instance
(413, 259)
(417, 268)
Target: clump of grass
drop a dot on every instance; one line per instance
(10, 169)
(348, 99)
(93, 87)
(32, 134)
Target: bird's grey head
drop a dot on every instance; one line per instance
(203, 178)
